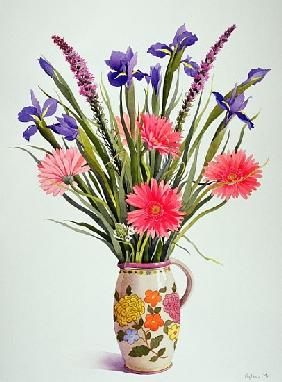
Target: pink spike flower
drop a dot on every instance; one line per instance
(159, 134)
(57, 170)
(78, 65)
(157, 209)
(236, 174)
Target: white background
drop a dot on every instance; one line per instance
(56, 286)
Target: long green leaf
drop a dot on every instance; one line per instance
(83, 232)
(202, 214)
(91, 228)
(189, 183)
(109, 228)
(174, 100)
(29, 153)
(200, 253)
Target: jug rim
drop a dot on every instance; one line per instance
(143, 265)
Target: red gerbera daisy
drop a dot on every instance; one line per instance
(236, 173)
(158, 134)
(158, 209)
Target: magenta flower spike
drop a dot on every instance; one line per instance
(202, 75)
(85, 79)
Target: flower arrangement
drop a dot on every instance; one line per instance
(131, 167)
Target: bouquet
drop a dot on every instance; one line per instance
(139, 175)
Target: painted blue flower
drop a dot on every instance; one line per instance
(131, 336)
(234, 106)
(46, 66)
(35, 113)
(181, 40)
(190, 67)
(155, 78)
(256, 74)
(66, 126)
(122, 68)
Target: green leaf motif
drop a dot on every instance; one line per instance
(120, 335)
(157, 309)
(166, 325)
(116, 295)
(139, 351)
(154, 358)
(148, 335)
(128, 290)
(174, 287)
(161, 352)
(150, 309)
(163, 290)
(155, 342)
(174, 345)
(138, 325)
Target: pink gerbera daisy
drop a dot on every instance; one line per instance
(158, 134)
(158, 209)
(236, 173)
(57, 170)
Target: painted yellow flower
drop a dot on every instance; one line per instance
(173, 331)
(128, 309)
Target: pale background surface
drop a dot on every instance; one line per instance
(56, 286)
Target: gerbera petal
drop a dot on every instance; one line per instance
(235, 173)
(57, 165)
(155, 214)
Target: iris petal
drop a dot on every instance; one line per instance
(245, 119)
(29, 132)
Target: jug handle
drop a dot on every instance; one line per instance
(188, 275)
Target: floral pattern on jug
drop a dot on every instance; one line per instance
(147, 318)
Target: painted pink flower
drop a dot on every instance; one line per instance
(57, 170)
(236, 173)
(158, 209)
(159, 134)
(171, 305)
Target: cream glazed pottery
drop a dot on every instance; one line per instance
(147, 314)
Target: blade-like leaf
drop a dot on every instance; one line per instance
(200, 253)
(29, 153)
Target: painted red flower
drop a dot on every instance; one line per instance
(153, 321)
(236, 174)
(158, 209)
(159, 134)
(152, 297)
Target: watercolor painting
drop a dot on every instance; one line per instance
(135, 162)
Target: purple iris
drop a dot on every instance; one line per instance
(35, 114)
(66, 126)
(155, 78)
(256, 74)
(181, 40)
(122, 66)
(131, 336)
(46, 66)
(234, 106)
(190, 67)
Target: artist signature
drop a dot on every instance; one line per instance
(252, 377)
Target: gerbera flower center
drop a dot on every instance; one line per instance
(68, 179)
(231, 177)
(155, 209)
